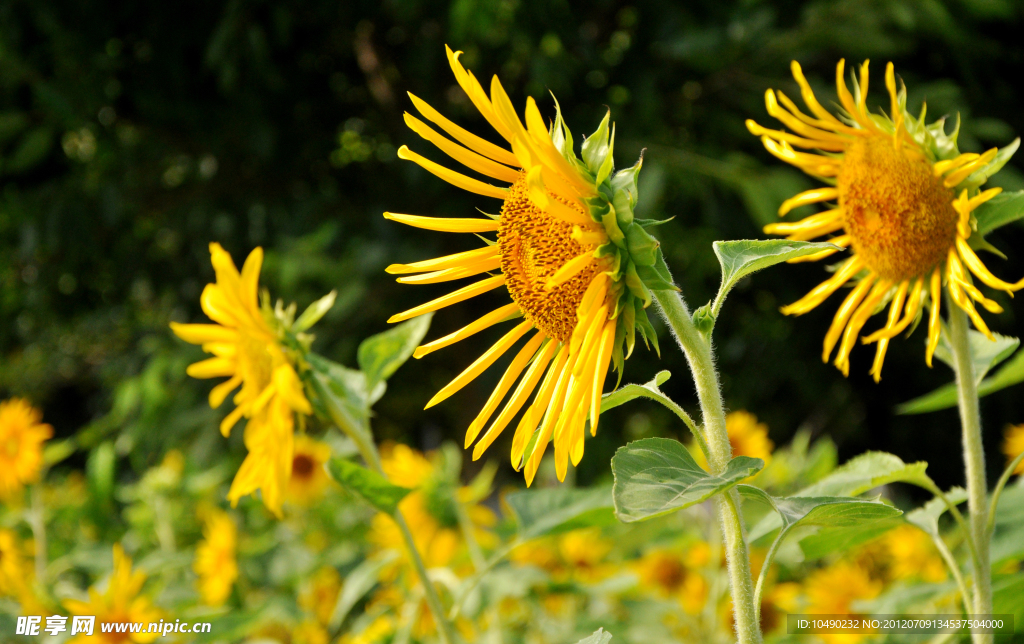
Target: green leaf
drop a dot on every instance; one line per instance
(1000, 210)
(381, 355)
(1008, 537)
(927, 516)
(828, 541)
(315, 311)
(600, 636)
(944, 397)
(371, 486)
(626, 393)
(985, 353)
(32, 150)
(341, 396)
(560, 509)
(99, 470)
(821, 511)
(656, 476)
(868, 471)
(743, 257)
(358, 582)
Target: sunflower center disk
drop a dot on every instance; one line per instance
(899, 216)
(534, 245)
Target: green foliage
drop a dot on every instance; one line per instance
(381, 355)
(369, 485)
(560, 509)
(744, 257)
(657, 476)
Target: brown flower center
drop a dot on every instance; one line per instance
(302, 466)
(534, 245)
(899, 215)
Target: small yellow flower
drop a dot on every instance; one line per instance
(248, 351)
(377, 631)
(119, 603)
(746, 436)
(577, 268)
(584, 552)
(21, 445)
(670, 573)
(309, 478)
(321, 595)
(832, 591)
(14, 570)
(1013, 445)
(913, 555)
(904, 197)
(310, 632)
(215, 563)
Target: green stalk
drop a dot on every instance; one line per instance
(362, 437)
(974, 462)
(37, 521)
(702, 364)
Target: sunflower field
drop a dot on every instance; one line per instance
(511, 322)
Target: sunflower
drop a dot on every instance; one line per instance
(119, 603)
(321, 594)
(309, 479)
(903, 199)
(575, 263)
(1013, 445)
(21, 445)
(833, 591)
(248, 349)
(215, 563)
(913, 555)
(669, 573)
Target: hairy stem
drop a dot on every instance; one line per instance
(974, 462)
(698, 353)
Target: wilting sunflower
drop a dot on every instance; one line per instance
(309, 479)
(577, 266)
(120, 603)
(904, 197)
(21, 445)
(216, 565)
(248, 349)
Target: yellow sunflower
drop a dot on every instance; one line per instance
(904, 197)
(913, 555)
(834, 589)
(576, 264)
(309, 479)
(248, 350)
(670, 573)
(1013, 445)
(215, 564)
(21, 445)
(119, 603)
(321, 595)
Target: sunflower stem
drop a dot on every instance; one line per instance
(368, 450)
(37, 521)
(974, 462)
(698, 353)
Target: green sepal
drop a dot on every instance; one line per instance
(561, 136)
(617, 356)
(657, 277)
(993, 166)
(607, 165)
(629, 321)
(611, 227)
(636, 285)
(643, 247)
(596, 148)
(651, 223)
(624, 181)
(647, 331)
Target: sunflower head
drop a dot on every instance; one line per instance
(215, 565)
(309, 478)
(1013, 445)
(260, 349)
(903, 201)
(577, 265)
(22, 435)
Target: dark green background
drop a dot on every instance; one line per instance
(276, 124)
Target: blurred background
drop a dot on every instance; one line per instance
(133, 134)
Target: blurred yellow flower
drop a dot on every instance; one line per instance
(309, 479)
(553, 254)
(310, 632)
(1013, 445)
(21, 445)
(119, 603)
(321, 594)
(832, 591)
(377, 631)
(15, 572)
(670, 574)
(905, 197)
(584, 552)
(746, 436)
(405, 466)
(215, 563)
(913, 555)
(248, 351)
